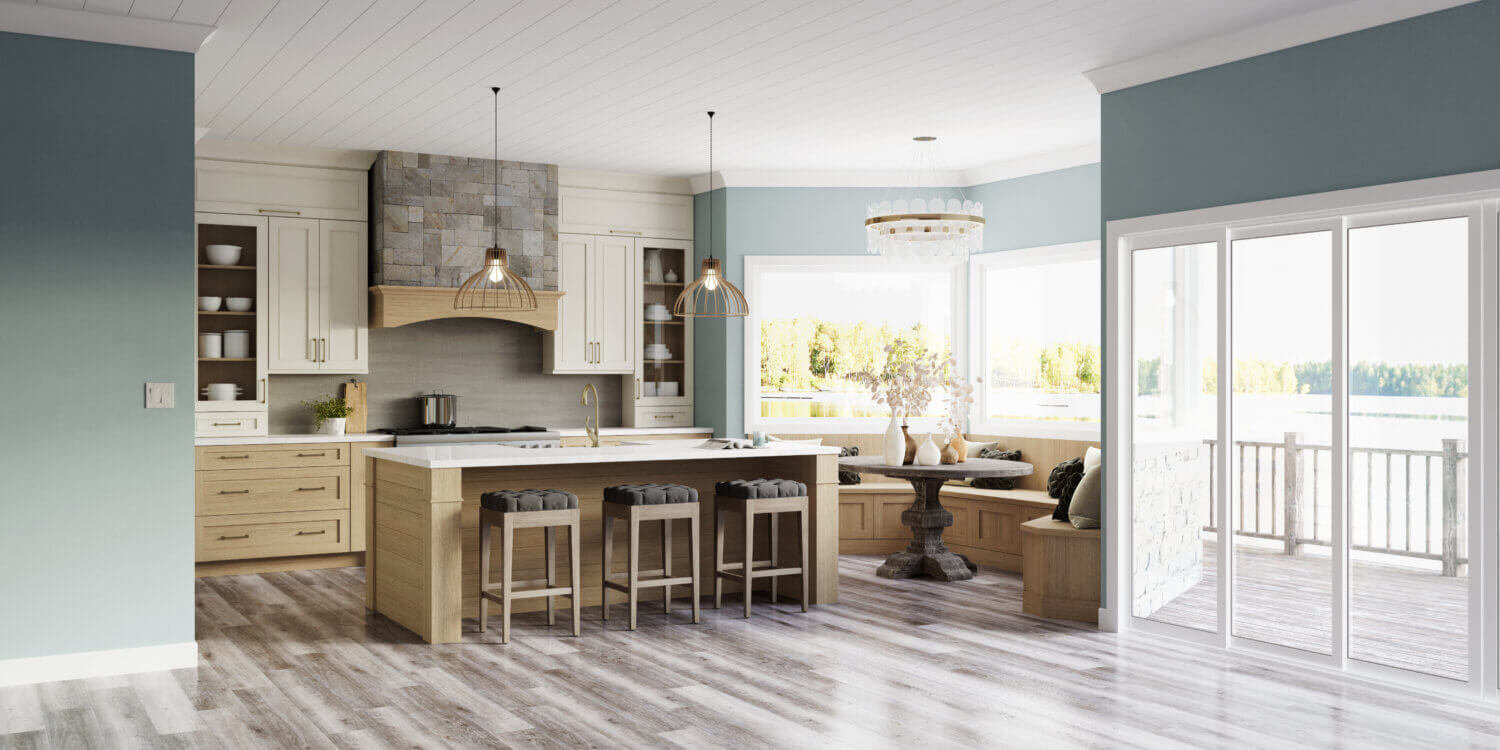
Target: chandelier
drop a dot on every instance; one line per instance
(931, 226)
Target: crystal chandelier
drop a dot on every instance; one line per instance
(930, 226)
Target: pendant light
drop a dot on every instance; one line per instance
(495, 287)
(711, 296)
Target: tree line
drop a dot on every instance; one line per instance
(1316, 378)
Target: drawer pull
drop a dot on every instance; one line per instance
(226, 458)
(240, 536)
(311, 455)
(229, 424)
(312, 533)
(311, 489)
(234, 492)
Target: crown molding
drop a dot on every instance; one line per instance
(960, 178)
(1050, 161)
(1292, 31)
(585, 178)
(107, 28)
(276, 153)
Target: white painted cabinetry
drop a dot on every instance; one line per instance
(318, 309)
(594, 332)
(236, 187)
(624, 213)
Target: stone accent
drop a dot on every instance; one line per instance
(1170, 508)
(435, 219)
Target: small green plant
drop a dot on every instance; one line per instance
(325, 409)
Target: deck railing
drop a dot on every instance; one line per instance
(1281, 496)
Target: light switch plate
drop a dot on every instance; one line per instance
(161, 395)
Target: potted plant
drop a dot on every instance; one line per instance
(330, 414)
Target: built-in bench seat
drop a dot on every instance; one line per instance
(986, 523)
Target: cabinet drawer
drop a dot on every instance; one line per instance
(272, 535)
(273, 456)
(230, 424)
(272, 490)
(664, 416)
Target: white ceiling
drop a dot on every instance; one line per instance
(622, 85)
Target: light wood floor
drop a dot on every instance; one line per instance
(292, 660)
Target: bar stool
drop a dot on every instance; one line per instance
(528, 509)
(635, 503)
(751, 498)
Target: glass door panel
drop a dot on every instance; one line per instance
(1281, 443)
(1173, 529)
(1408, 423)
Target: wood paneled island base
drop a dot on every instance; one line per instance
(422, 559)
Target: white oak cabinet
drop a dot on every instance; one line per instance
(318, 309)
(595, 331)
(624, 213)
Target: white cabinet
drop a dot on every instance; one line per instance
(278, 190)
(661, 392)
(247, 277)
(595, 332)
(624, 213)
(317, 306)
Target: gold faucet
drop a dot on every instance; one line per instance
(591, 426)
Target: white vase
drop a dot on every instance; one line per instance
(893, 446)
(334, 426)
(928, 454)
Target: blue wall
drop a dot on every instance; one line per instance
(1403, 101)
(1044, 209)
(96, 541)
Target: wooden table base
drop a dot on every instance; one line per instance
(927, 555)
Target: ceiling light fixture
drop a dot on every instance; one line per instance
(931, 227)
(495, 287)
(711, 296)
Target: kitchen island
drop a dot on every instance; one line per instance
(422, 553)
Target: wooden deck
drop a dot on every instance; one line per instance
(1400, 617)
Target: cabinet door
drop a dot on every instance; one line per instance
(343, 298)
(570, 343)
(293, 308)
(614, 305)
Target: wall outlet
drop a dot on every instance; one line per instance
(161, 395)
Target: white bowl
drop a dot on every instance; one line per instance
(238, 304)
(209, 304)
(223, 255)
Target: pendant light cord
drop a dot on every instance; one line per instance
(496, 89)
(710, 184)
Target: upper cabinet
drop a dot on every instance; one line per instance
(624, 213)
(595, 331)
(278, 190)
(317, 311)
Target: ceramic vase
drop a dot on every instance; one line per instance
(960, 446)
(334, 426)
(893, 447)
(950, 455)
(910, 454)
(928, 453)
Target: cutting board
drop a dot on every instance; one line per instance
(355, 395)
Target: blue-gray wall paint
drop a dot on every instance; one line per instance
(96, 235)
(1404, 101)
(1036, 210)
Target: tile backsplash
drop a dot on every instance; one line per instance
(494, 367)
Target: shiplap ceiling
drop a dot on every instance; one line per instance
(622, 85)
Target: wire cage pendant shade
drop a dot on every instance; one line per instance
(711, 295)
(495, 287)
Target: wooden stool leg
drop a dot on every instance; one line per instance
(551, 548)
(666, 564)
(575, 575)
(507, 553)
(484, 571)
(749, 552)
(609, 555)
(695, 560)
(635, 564)
(775, 558)
(718, 555)
(805, 575)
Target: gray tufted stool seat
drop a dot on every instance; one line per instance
(522, 501)
(637, 503)
(751, 498)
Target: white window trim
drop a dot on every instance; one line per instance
(1478, 195)
(979, 421)
(755, 265)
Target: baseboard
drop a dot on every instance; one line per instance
(98, 663)
(1107, 620)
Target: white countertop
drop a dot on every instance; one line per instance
(476, 456)
(581, 432)
(364, 437)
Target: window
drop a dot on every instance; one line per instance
(816, 321)
(1037, 343)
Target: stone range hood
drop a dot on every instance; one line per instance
(434, 217)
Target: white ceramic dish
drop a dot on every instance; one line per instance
(238, 304)
(210, 304)
(667, 390)
(221, 392)
(648, 389)
(211, 345)
(223, 255)
(237, 344)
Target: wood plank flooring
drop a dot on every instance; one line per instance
(293, 660)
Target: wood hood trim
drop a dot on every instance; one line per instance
(392, 306)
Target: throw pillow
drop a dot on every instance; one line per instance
(1061, 483)
(994, 483)
(848, 477)
(1083, 511)
(972, 450)
(1091, 458)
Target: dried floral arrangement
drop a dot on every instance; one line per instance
(906, 385)
(960, 397)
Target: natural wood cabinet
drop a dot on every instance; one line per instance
(595, 315)
(318, 306)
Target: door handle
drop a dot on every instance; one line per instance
(261, 386)
(637, 389)
(324, 350)
(312, 350)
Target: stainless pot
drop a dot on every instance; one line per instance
(439, 409)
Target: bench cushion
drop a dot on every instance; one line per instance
(753, 488)
(650, 494)
(521, 501)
